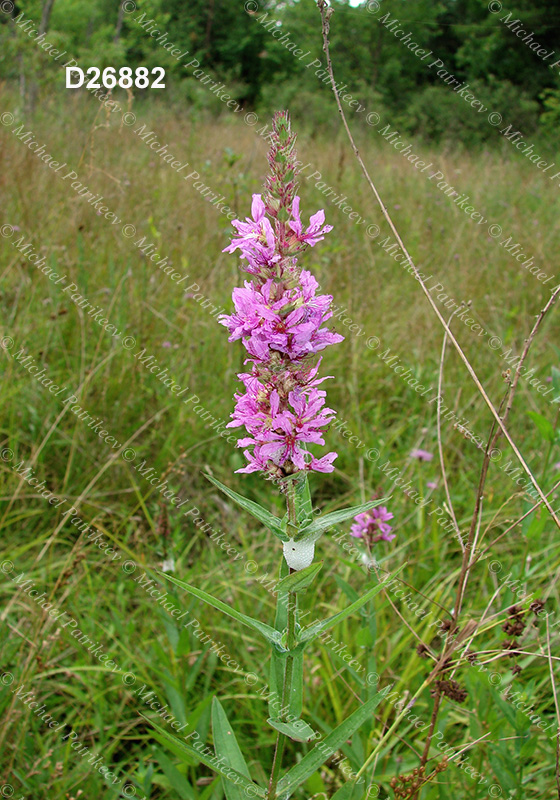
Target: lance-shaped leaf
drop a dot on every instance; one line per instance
(188, 754)
(546, 429)
(298, 730)
(308, 634)
(295, 699)
(322, 751)
(277, 661)
(316, 528)
(301, 580)
(274, 524)
(269, 633)
(226, 747)
(349, 791)
(304, 506)
(277, 673)
(178, 781)
(281, 617)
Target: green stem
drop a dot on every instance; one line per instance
(286, 695)
(390, 731)
(276, 764)
(291, 642)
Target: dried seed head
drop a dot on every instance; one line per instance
(422, 650)
(451, 689)
(536, 606)
(509, 644)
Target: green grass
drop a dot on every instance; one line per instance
(140, 636)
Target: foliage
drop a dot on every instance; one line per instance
(241, 47)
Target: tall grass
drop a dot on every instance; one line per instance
(379, 408)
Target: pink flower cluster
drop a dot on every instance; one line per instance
(280, 320)
(372, 525)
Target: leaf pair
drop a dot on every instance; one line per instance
(231, 765)
(323, 750)
(308, 528)
(272, 635)
(228, 762)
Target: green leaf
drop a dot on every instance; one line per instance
(269, 633)
(225, 745)
(180, 748)
(211, 791)
(301, 580)
(348, 792)
(506, 708)
(323, 751)
(308, 634)
(277, 672)
(177, 781)
(295, 700)
(364, 638)
(175, 745)
(544, 426)
(304, 506)
(277, 661)
(527, 750)
(316, 528)
(503, 772)
(348, 590)
(281, 618)
(298, 730)
(267, 519)
(555, 379)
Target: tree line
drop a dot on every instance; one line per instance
(436, 69)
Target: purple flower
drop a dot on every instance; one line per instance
(432, 485)
(314, 233)
(280, 320)
(290, 324)
(372, 525)
(421, 455)
(256, 238)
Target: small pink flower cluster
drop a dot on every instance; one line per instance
(372, 526)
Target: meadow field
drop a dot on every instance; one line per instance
(115, 376)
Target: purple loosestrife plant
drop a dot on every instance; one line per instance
(421, 455)
(372, 526)
(280, 320)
